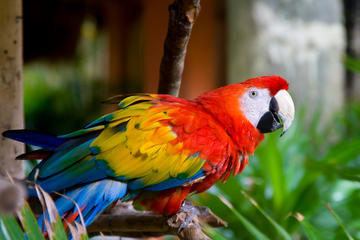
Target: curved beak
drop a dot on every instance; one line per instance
(281, 114)
(286, 109)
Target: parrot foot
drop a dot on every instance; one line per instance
(191, 212)
(186, 221)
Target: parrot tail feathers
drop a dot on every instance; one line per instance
(37, 154)
(91, 200)
(47, 141)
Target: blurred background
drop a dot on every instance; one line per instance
(79, 52)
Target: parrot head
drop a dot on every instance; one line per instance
(267, 105)
(251, 108)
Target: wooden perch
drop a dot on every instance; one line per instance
(182, 16)
(125, 221)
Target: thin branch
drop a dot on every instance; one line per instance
(182, 16)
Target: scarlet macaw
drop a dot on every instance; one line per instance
(157, 149)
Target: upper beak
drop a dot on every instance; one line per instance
(286, 109)
(281, 107)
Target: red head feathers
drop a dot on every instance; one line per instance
(251, 108)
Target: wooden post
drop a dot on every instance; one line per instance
(11, 89)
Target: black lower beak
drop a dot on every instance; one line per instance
(270, 122)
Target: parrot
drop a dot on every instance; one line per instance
(157, 149)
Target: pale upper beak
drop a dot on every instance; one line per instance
(280, 115)
(286, 110)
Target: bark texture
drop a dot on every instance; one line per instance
(123, 220)
(127, 222)
(11, 90)
(182, 16)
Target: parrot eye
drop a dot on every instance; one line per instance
(253, 93)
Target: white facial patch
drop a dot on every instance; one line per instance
(254, 104)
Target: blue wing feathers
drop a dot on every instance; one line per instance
(173, 182)
(72, 164)
(92, 198)
(63, 158)
(81, 173)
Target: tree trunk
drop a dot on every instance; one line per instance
(11, 89)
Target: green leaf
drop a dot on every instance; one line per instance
(349, 173)
(29, 223)
(339, 221)
(272, 162)
(282, 232)
(352, 64)
(343, 152)
(84, 237)
(213, 234)
(311, 232)
(255, 232)
(2, 233)
(58, 228)
(13, 229)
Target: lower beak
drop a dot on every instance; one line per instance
(281, 114)
(269, 122)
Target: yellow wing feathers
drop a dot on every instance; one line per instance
(137, 144)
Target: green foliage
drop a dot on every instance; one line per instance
(10, 229)
(27, 227)
(67, 102)
(341, 224)
(60, 97)
(254, 231)
(310, 231)
(293, 176)
(352, 64)
(213, 234)
(29, 223)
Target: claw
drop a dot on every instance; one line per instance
(186, 222)
(190, 211)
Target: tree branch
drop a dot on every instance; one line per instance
(182, 16)
(125, 221)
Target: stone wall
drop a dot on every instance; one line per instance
(301, 40)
